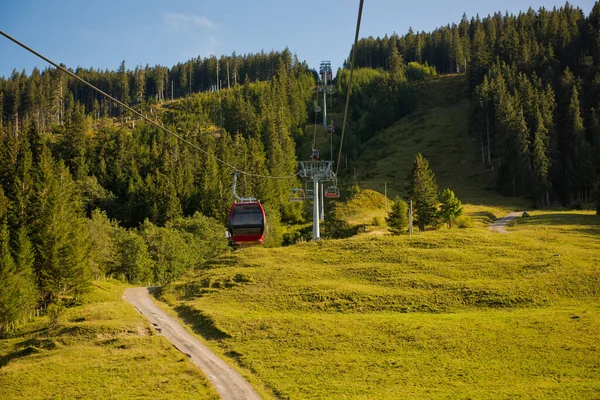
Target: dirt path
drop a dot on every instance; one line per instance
(228, 382)
(500, 225)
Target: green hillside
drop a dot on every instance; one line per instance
(444, 314)
(437, 129)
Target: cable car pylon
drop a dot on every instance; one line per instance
(317, 172)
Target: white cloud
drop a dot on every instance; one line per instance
(179, 20)
(207, 47)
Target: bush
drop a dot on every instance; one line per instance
(133, 262)
(464, 222)
(55, 311)
(418, 72)
(378, 221)
(274, 231)
(297, 234)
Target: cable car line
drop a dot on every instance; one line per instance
(182, 139)
(360, 7)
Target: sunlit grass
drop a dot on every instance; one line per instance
(101, 349)
(445, 314)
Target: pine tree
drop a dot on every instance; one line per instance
(580, 154)
(541, 161)
(9, 300)
(396, 64)
(103, 251)
(423, 191)
(75, 143)
(61, 237)
(25, 277)
(397, 218)
(451, 207)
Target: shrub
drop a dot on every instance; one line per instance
(464, 222)
(378, 221)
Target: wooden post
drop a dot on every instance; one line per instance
(385, 194)
(410, 219)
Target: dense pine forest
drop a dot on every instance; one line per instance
(87, 190)
(534, 84)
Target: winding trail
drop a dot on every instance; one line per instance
(228, 382)
(500, 225)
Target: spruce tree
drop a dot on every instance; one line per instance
(103, 251)
(61, 236)
(423, 191)
(541, 162)
(451, 207)
(397, 218)
(9, 300)
(24, 258)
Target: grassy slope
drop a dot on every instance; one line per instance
(438, 130)
(102, 349)
(446, 314)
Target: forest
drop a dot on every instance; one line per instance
(88, 190)
(534, 84)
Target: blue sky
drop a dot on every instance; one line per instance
(101, 34)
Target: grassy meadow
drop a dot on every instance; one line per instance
(461, 313)
(102, 349)
(439, 130)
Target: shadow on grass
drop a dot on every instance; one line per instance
(484, 216)
(591, 223)
(27, 348)
(4, 360)
(200, 323)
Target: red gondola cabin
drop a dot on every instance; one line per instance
(247, 224)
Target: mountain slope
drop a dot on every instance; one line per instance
(439, 130)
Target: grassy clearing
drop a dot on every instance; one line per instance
(445, 314)
(101, 349)
(439, 130)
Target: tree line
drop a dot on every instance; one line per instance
(44, 95)
(534, 83)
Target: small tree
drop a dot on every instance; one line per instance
(423, 190)
(451, 207)
(397, 218)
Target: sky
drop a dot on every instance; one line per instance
(101, 34)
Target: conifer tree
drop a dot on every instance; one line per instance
(397, 218)
(423, 191)
(103, 253)
(541, 161)
(580, 154)
(396, 64)
(60, 232)
(451, 207)
(9, 300)
(25, 277)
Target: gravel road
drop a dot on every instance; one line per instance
(228, 382)
(500, 225)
